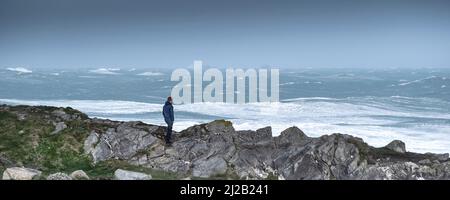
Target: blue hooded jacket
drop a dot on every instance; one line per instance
(168, 113)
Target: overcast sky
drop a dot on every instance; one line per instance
(237, 33)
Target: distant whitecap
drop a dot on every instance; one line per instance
(151, 74)
(20, 70)
(105, 71)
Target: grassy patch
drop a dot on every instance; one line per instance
(59, 154)
(223, 122)
(2, 169)
(272, 176)
(29, 143)
(6, 115)
(228, 175)
(383, 153)
(72, 111)
(106, 169)
(363, 149)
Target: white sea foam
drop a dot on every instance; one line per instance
(308, 98)
(94, 107)
(87, 76)
(20, 70)
(418, 80)
(151, 74)
(105, 71)
(288, 83)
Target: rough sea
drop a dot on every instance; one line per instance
(412, 105)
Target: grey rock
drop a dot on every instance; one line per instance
(439, 157)
(79, 175)
(253, 158)
(397, 146)
(120, 174)
(209, 167)
(20, 173)
(442, 157)
(60, 126)
(60, 113)
(292, 135)
(102, 151)
(328, 157)
(216, 149)
(90, 142)
(122, 142)
(59, 176)
(21, 116)
(425, 162)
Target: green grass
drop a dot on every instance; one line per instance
(363, 149)
(223, 122)
(17, 138)
(28, 143)
(72, 111)
(106, 169)
(272, 176)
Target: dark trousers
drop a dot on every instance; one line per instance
(169, 132)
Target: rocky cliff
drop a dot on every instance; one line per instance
(54, 140)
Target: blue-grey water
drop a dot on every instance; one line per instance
(412, 105)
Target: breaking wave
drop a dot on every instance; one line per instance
(105, 71)
(20, 70)
(151, 74)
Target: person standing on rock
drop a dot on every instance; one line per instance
(169, 118)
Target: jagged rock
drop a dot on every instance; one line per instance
(60, 126)
(397, 146)
(90, 142)
(329, 157)
(59, 176)
(79, 175)
(209, 167)
(20, 173)
(129, 175)
(216, 149)
(62, 114)
(122, 142)
(292, 135)
(442, 157)
(439, 157)
(253, 158)
(425, 162)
